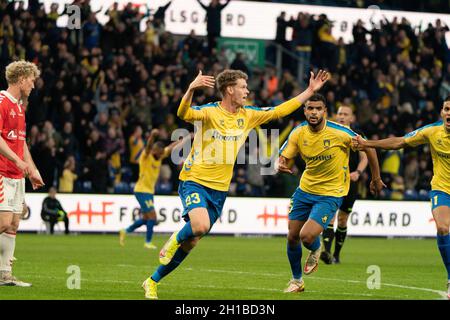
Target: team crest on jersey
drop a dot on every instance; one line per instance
(222, 122)
(439, 142)
(240, 123)
(324, 219)
(12, 113)
(326, 143)
(305, 143)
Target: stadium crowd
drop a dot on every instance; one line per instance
(105, 86)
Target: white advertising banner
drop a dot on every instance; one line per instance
(110, 213)
(256, 20)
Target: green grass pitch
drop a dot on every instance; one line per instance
(222, 268)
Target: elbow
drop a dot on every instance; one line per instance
(181, 113)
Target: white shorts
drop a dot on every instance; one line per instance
(12, 195)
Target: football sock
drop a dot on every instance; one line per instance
(341, 233)
(135, 225)
(149, 234)
(444, 247)
(185, 233)
(163, 271)
(328, 236)
(7, 246)
(314, 245)
(295, 259)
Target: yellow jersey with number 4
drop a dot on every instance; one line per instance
(439, 140)
(326, 154)
(149, 169)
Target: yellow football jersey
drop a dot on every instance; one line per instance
(136, 146)
(326, 154)
(439, 140)
(220, 134)
(149, 169)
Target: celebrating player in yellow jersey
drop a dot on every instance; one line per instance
(437, 135)
(324, 146)
(222, 128)
(150, 161)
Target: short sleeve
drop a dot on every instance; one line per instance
(195, 114)
(417, 137)
(259, 116)
(290, 148)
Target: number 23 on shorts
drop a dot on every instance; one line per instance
(193, 198)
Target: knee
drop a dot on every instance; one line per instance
(200, 228)
(13, 226)
(442, 229)
(307, 238)
(342, 220)
(293, 239)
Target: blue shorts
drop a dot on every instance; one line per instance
(194, 195)
(145, 201)
(306, 206)
(439, 198)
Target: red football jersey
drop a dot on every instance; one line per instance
(12, 130)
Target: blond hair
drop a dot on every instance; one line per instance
(229, 78)
(18, 70)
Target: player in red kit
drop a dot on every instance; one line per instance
(15, 162)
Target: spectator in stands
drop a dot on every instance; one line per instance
(239, 63)
(302, 41)
(213, 21)
(160, 15)
(52, 212)
(68, 177)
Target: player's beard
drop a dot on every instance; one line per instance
(315, 125)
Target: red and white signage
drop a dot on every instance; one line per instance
(110, 213)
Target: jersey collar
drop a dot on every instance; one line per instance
(9, 96)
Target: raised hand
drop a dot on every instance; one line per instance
(202, 81)
(317, 81)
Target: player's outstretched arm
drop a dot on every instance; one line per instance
(377, 184)
(151, 139)
(316, 82)
(177, 144)
(394, 143)
(185, 111)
